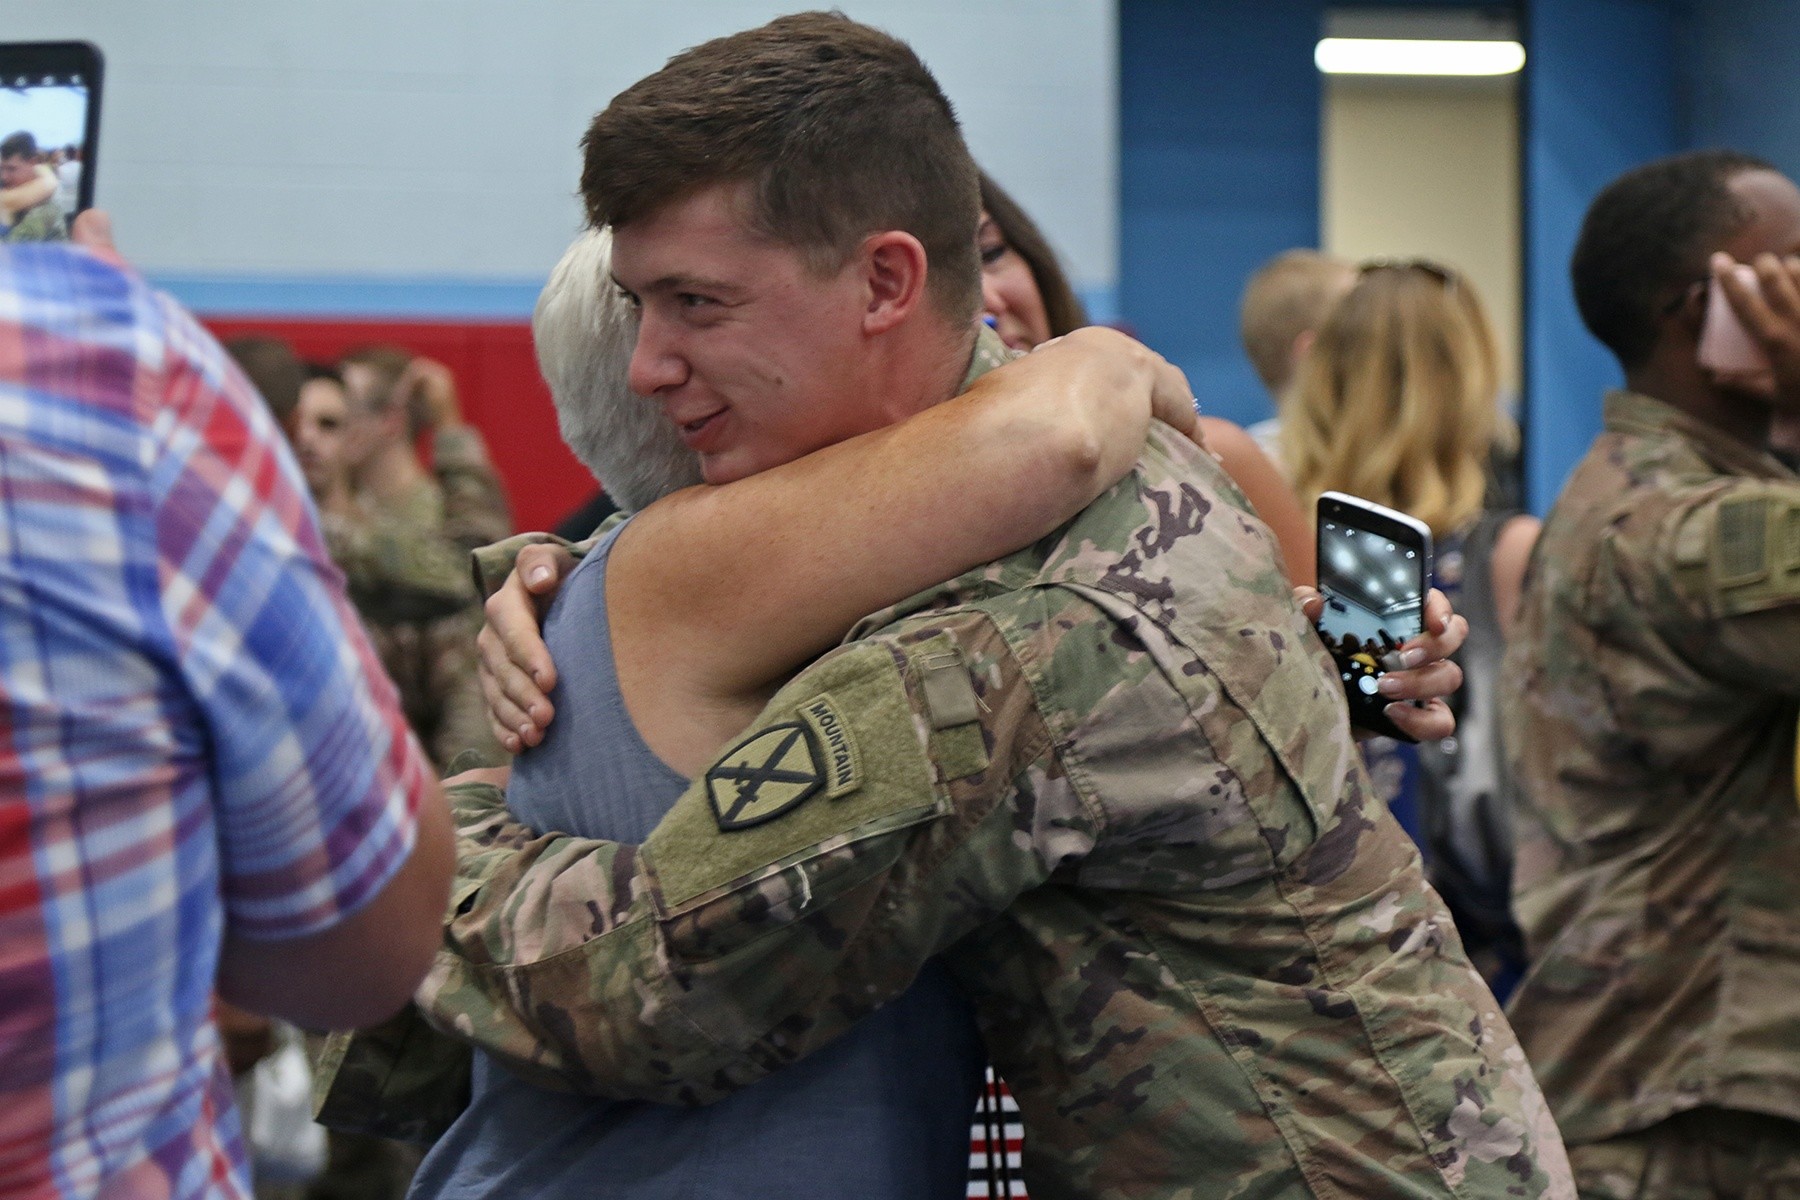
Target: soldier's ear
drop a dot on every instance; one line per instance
(1685, 312)
(893, 269)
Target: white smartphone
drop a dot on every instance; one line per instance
(1726, 347)
(1374, 570)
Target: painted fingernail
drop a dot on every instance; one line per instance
(1414, 657)
(1389, 685)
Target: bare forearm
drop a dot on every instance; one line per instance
(814, 545)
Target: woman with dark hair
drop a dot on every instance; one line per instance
(1028, 300)
(1023, 287)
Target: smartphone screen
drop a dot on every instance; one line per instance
(1374, 568)
(49, 118)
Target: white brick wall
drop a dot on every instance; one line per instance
(409, 139)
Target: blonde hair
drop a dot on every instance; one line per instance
(1398, 399)
(1289, 295)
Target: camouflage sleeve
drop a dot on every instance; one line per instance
(404, 1079)
(890, 799)
(476, 511)
(494, 563)
(394, 574)
(1732, 557)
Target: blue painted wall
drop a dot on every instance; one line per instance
(1600, 97)
(1738, 78)
(1219, 170)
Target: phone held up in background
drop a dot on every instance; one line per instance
(1726, 347)
(49, 133)
(1374, 569)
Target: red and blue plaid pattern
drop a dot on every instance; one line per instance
(194, 734)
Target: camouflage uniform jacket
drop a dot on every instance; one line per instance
(1111, 779)
(411, 584)
(475, 509)
(1650, 705)
(391, 573)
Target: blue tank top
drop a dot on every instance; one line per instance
(881, 1113)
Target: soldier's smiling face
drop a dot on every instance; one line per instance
(756, 357)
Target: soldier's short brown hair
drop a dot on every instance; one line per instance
(838, 128)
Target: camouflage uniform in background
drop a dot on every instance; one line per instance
(1110, 779)
(475, 508)
(1650, 706)
(407, 571)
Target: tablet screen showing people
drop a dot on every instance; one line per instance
(43, 115)
(1374, 586)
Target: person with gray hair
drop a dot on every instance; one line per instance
(584, 331)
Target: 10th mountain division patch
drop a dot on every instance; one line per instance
(764, 776)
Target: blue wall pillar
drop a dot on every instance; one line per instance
(1600, 98)
(1739, 78)
(1219, 170)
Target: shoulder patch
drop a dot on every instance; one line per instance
(718, 839)
(772, 772)
(1754, 559)
(1742, 549)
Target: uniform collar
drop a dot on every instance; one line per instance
(990, 352)
(1003, 575)
(1636, 413)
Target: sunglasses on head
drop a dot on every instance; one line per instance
(1437, 271)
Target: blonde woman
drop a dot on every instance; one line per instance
(1397, 401)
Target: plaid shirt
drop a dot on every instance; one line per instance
(194, 735)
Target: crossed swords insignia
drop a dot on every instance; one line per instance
(764, 776)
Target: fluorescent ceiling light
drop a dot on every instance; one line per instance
(1402, 56)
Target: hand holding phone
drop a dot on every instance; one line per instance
(1727, 349)
(1374, 570)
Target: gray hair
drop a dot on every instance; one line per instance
(584, 331)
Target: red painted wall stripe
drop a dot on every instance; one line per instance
(502, 395)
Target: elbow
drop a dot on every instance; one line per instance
(328, 998)
(1079, 458)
